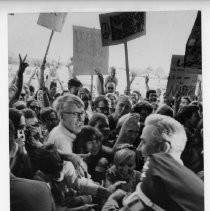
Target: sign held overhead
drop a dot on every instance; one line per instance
(53, 21)
(180, 79)
(88, 53)
(120, 27)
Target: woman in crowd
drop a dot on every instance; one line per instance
(89, 140)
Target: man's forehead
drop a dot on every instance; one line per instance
(72, 107)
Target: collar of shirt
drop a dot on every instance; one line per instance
(66, 132)
(177, 158)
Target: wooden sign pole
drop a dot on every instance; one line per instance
(127, 68)
(91, 88)
(44, 62)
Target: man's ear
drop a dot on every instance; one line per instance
(164, 147)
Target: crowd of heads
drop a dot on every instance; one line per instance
(119, 132)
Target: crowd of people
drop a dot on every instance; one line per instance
(117, 151)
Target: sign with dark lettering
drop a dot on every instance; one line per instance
(53, 21)
(180, 79)
(120, 27)
(88, 52)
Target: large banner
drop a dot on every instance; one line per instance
(180, 79)
(88, 53)
(53, 21)
(120, 27)
(193, 53)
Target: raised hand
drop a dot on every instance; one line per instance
(99, 74)
(22, 65)
(118, 195)
(116, 185)
(133, 76)
(69, 63)
(147, 79)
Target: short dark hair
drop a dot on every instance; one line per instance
(15, 115)
(186, 112)
(74, 82)
(95, 118)
(47, 159)
(137, 92)
(45, 112)
(31, 88)
(165, 110)
(144, 105)
(28, 113)
(86, 94)
(99, 99)
(149, 92)
(88, 133)
(53, 84)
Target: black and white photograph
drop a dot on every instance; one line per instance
(105, 110)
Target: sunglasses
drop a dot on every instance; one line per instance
(35, 107)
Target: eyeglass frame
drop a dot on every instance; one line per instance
(81, 115)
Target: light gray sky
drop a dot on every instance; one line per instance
(166, 34)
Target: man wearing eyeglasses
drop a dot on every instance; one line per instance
(70, 110)
(101, 105)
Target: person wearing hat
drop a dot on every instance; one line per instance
(166, 184)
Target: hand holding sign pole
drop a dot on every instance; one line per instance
(127, 68)
(55, 22)
(120, 27)
(44, 62)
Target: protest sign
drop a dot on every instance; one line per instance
(180, 79)
(53, 21)
(88, 53)
(120, 27)
(193, 54)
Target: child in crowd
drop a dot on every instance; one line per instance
(123, 168)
